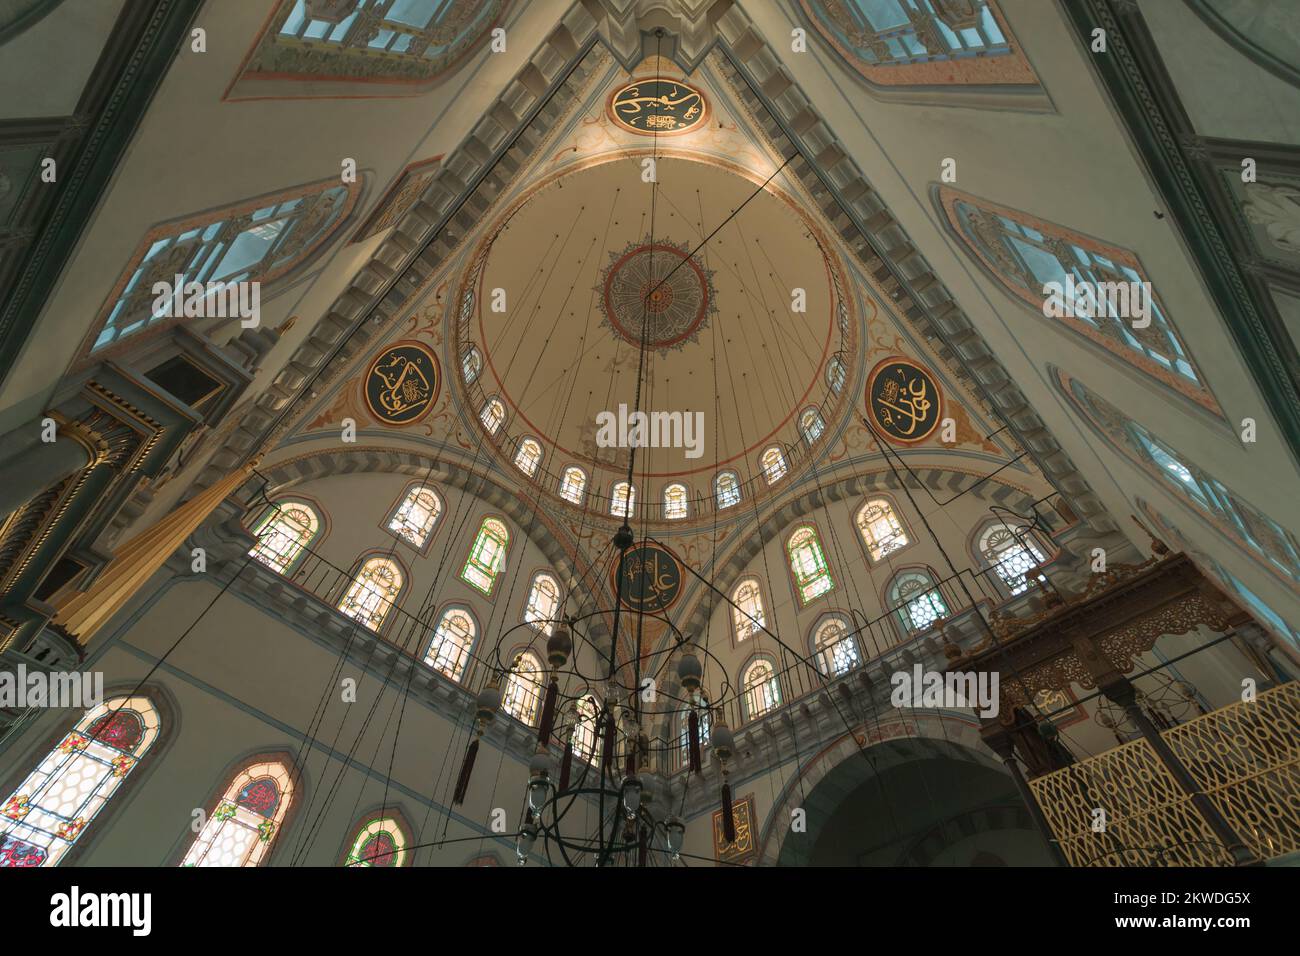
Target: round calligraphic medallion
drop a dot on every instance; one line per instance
(402, 383)
(904, 402)
(658, 105)
(652, 578)
(660, 285)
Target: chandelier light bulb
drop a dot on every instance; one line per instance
(676, 832)
(631, 797)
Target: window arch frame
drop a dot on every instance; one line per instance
(685, 498)
(553, 575)
(803, 601)
(384, 815)
(593, 757)
(155, 742)
(775, 696)
(819, 432)
(457, 676)
(470, 559)
(524, 651)
(983, 530)
(581, 493)
(471, 356)
(358, 566)
(892, 597)
(717, 493)
(767, 470)
(483, 418)
(705, 712)
(866, 502)
(317, 536)
(528, 442)
(820, 653)
(227, 784)
(407, 491)
(629, 502)
(732, 612)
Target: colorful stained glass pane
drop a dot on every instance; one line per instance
(122, 729)
(260, 796)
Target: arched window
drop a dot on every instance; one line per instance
(416, 516)
(522, 695)
(622, 499)
(381, 841)
(471, 363)
(705, 718)
(583, 739)
(247, 819)
(834, 646)
(761, 689)
(811, 425)
(812, 578)
(573, 485)
(528, 456)
(492, 415)
(53, 806)
(773, 464)
(726, 487)
(487, 557)
(835, 374)
(222, 253)
(881, 530)
(284, 531)
(747, 615)
(373, 591)
(543, 609)
(1239, 520)
(675, 501)
(918, 602)
(1011, 556)
(1097, 291)
(452, 639)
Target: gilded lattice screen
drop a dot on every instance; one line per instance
(1246, 757)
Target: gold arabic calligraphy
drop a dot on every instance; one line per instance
(406, 387)
(630, 103)
(903, 408)
(652, 584)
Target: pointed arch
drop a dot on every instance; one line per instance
(415, 515)
(54, 805)
(284, 532)
(487, 556)
(452, 642)
(381, 839)
(542, 609)
(881, 528)
(376, 587)
(812, 575)
(246, 818)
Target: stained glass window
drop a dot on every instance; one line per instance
(493, 414)
(675, 501)
(247, 818)
(919, 603)
(727, 489)
(811, 425)
(53, 806)
(762, 690)
(243, 244)
(584, 728)
(528, 456)
(416, 515)
(747, 615)
(835, 647)
(543, 608)
(379, 842)
(774, 466)
(812, 577)
(424, 29)
(1010, 556)
(372, 592)
(522, 695)
(283, 532)
(881, 530)
(895, 33)
(835, 374)
(471, 363)
(622, 499)
(487, 557)
(573, 485)
(452, 639)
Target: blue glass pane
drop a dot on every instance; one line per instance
(296, 19)
(413, 13)
(248, 249)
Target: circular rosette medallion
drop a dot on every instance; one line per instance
(903, 400)
(657, 291)
(653, 106)
(652, 578)
(402, 383)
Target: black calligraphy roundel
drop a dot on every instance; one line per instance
(657, 106)
(652, 578)
(402, 383)
(904, 402)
